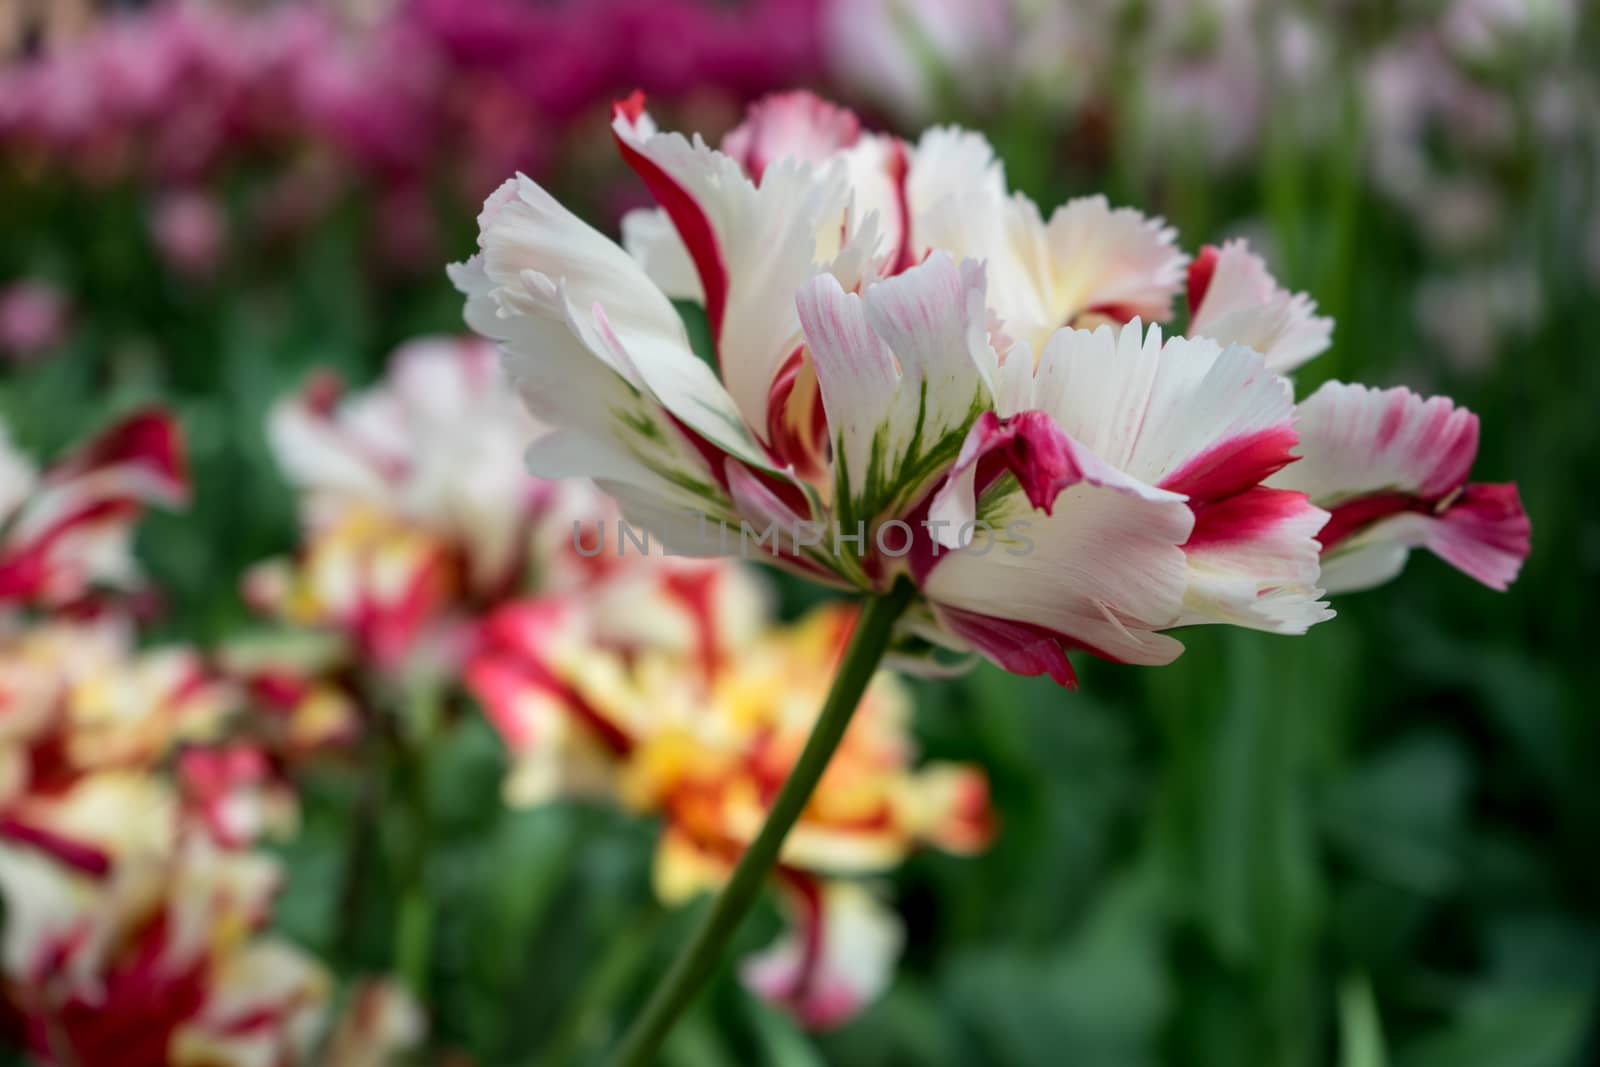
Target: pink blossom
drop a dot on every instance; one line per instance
(33, 319)
(190, 231)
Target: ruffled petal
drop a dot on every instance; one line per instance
(1391, 468)
(1234, 300)
(904, 372)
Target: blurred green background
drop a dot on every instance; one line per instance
(1374, 844)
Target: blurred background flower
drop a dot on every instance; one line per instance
(704, 737)
(237, 790)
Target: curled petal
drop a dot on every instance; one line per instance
(793, 125)
(752, 245)
(70, 529)
(1103, 572)
(1391, 468)
(838, 956)
(1234, 300)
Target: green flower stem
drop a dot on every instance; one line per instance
(413, 936)
(699, 959)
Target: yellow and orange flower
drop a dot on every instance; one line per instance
(76, 698)
(703, 738)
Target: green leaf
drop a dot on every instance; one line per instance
(1517, 1029)
(1360, 1030)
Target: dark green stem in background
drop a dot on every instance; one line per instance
(413, 935)
(706, 948)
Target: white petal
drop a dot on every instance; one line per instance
(1105, 570)
(1089, 261)
(758, 243)
(1363, 566)
(649, 237)
(596, 349)
(903, 373)
(1243, 304)
(956, 194)
(1153, 409)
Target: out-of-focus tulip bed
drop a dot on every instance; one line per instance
(322, 743)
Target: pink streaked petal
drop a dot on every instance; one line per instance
(797, 124)
(1104, 570)
(1044, 460)
(1357, 441)
(1351, 517)
(1182, 413)
(797, 424)
(144, 452)
(1234, 464)
(73, 528)
(1484, 533)
(1017, 647)
(896, 170)
(80, 856)
(760, 500)
(767, 240)
(1245, 516)
(513, 663)
(631, 128)
(1201, 271)
(1032, 447)
(1254, 561)
(391, 623)
(837, 957)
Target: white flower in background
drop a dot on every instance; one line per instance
(435, 443)
(1473, 315)
(416, 505)
(917, 58)
(1494, 32)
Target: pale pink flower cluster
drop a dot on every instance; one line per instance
(479, 88)
(34, 318)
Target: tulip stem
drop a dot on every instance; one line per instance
(413, 934)
(705, 950)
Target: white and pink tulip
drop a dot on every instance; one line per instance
(904, 349)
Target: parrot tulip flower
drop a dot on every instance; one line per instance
(923, 388)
